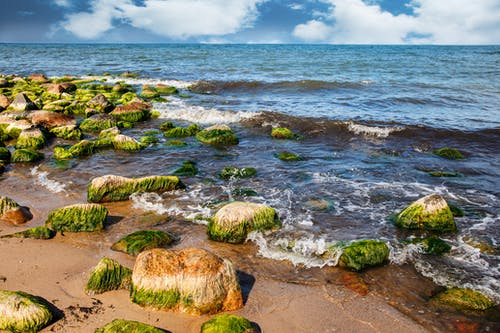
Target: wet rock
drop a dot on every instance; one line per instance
(22, 312)
(70, 132)
(40, 78)
(319, 204)
(22, 103)
(136, 110)
(191, 280)
(4, 102)
(57, 106)
(365, 253)
(428, 213)
(77, 218)
(282, 133)
(163, 89)
(82, 148)
(434, 245)
(149, 92)
(218, 135)
(234, 221)
(228, 323)
(188, 168)
(100, 103)
(49, 119)
(59, 88)
(97, 123)
(33, 233)
(10, 211)
(5, 155)
(108, 275)
(232, 172)
(128, 326)
(288, 156)
(26, 155)
(203, 87)
(124, 142)
(15, 127)
(449, 153)
(31, 138)
(463, 299)
(143, 240)
(116, 188)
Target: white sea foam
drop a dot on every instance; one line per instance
(405, 253)
(374, 131)
(141, 81)
(43, 180)
(178, 109)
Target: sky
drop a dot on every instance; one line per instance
(252, 21)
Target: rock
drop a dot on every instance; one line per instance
(444, 174)
(100, 103)
(177, 132)
(428, 213)
(106, 137)
(234, 221)
(203, 87)
(108, 275)
(218, 135)
(176, 143)
(319, 204)
(191, 280)
(33, 233)
(57, 106)
(163, 89)
(82, 148)
(143, 240)
(70, 132)
(59, 88)
(26, 156)
(149, 139)
(17, 126)
(188, 168)
(232, 172)
(449, 153)
(128, 326)
(5, 155)
(49, 119)
(289, 157)
(40, 78)
(282, 133)
(434, 245)
(31, 138)
(10, 211)
(135, 111)
(360, 254)
(77, 218)
(22, 103)
(4, 102)
(22, 312)
(149, 92)
(116, 188)
(463, 299)
(97, 123)
(228, 323)
(130, 75)
(124, 142)
(3, 83)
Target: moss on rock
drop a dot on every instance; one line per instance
(22, 312)
(117, 188)
(97, 123)
(70, 132)
(10, 211)
(218, 135)
(288, 156)
(225, 323)
(26, 156)
(429, 213)
(463, 299)
(149, 92)
(78, 218)
(176, 143)
(135, 111)
(234, 221)
(82, 148)
(449, 153)
(34, 233)
(124, 142)
(149, 139)
(232, 172)
(282, 133)
(177, 132)
(128, 326)
(188, 168)
(142, 240)
(360, 254)
(31, 138)
(5, 155)
(108, 275)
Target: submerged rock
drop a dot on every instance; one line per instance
(22, 103)
(10, 211)
(282, 133)
(463, 299)
(124, 142)
(163, 89)
(428, 213)
(149, 92)
(26, 156)
(31, 138)
(228, 323)
(232, 172)
(188, 168)
(78, 218)
(360, 254)
(82, 148)
(191, 280)
(435, 245)
(22, 312)
(128, 326)
(234, 221)
(143, 240)
(108, 275)
(218, 135)
(116, 188)
(288, 156)
(34, 233)
(449, 153)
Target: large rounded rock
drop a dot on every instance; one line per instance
(31, 138)
(463, 299)
(10, 211)
(143, 240)
(234, 221)
(128, 326)
(218, 135)
(191, 280)
(22, 312)
(100, 103)
(50, 119)
(97, 123)
(365, 253)
(134, 111)
(116, 188)
(428, 213)
(128, 143)
(108, 275)
(76, 218)
(228, 323)
(26, 156)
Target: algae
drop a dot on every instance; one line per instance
(108, 275)
(128, 326)
(22, 312)
(163, 299)
(232, 172)
(226, 323)
(360, 254)
(449, 153)
(188, 168)
(464, 299)
(142, 240)
(288, 156)
(218, 136)
(77, 218)
(26, 155)
(282, 133)
(34, 233)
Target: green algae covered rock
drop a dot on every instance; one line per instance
(166, 90)
(282, 133)
(82, 148)
(136, 110)
(463, 299)
(177, 132)
(78, 218)
(5, 154)
(360, 254)
(218, 135)
(70, 132)
(176, 143)
(116, 188)
(108, 275)
(428, 213)
(190, 280)
(10, 211)
(97, 123)
(34, 233)
(22, 312)
(449, 153)
(128, 326)
(224, 323)
(288, 156)
(234, 221)
(100, 103)
(188, 168)
(142, 240)
(435, 245)
(232, 172)
(124, 142)
(149, 92)
(30, 138)
(149, 139)
(26, 156)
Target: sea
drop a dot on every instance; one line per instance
(367, 120)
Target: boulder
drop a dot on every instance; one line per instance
(4, 102)
(143, 240)
(22, 312)
(163, 89)
(228, 323)
(234, 221)
(33, 233)
(10, 211)
(463, 299)
(31, 138)
(191, 280)
(149, 92)
(50, 120)
(232, 172)
(360, 254)
(40, 78)
(100, 103)
(108, 275)
(15, 127)
(177, 132)
(124, 142)
(282, 133)
(70, 132)
(59, 88)
(218, 135)
(116, 188)
(22, 103)
(82, 148)
(97, 123)
(77, 218)
(428, 213)
(449, 153)
(136, 110)
(57, 106)
(26, 155)
(128, 326)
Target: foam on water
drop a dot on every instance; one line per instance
(43, 180)
(142, 81)
(374, 131)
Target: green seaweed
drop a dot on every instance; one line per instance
(449, 153)
(245, 192)
(97, 124)
(149, 139)
(177, 132)
(26, 140)
(142, 240)
(128, 326)
(435, 245)
(232, 172)
(464, 299)
(444, 174)
(176, 143)
(288, 156)
(414, 217)
(67, 132)
(282, 133)
(127, 143)
(26, 155)
(131, 116)
(77, 218)
(456, 211)
(188, 168)
(225, 323)
(108, 275)
(82, 148)
(164, 299)
(5, 154)
(167, 126)
(217, 137)
(23, 312)
(360, 254)
(166, 90)
(34, 233)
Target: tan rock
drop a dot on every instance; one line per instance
(50, 119)
(38, 78)
(4, 102)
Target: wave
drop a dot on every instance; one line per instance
(142, 81)
(43, 180)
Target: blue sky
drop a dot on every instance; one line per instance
(252, 21)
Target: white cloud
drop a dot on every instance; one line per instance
(441, 22)
(63, 3)
(296, 6)
(173, 18)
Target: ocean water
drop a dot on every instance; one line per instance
(368, 119)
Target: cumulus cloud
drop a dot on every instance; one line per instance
(171, 18)
(439, 22)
